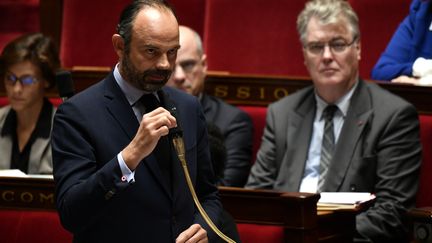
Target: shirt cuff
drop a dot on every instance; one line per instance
(422, 67)
(128, 175)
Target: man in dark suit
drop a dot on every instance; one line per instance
(117, 176)
(235, 124)
(366, 141)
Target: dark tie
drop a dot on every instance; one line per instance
(162, 151)
(328, 144)
(150, 102)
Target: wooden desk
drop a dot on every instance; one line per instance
(26, 193)
(295, 212)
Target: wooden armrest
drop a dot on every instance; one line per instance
(421, 219)
(421, 214)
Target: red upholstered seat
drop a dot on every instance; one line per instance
(88, 26)
(3, 101)
(378, 21)
(55, 101)
(17, 17)
(191, 13)
(23, 226)
(255, 233)
(258, 116)
(424, 195)
(254, 36)
(86, 32)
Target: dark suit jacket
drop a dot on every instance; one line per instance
(237, 129)
(378, 151)
(90, 129)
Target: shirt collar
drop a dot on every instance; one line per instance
(342, 104)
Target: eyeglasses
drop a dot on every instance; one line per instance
(188, 65)
(336, 46)
(25, 80)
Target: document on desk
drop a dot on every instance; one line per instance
(343, 200)
(20, 174)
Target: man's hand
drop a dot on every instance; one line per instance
(195, 233)
(153, 126)
(406, 80)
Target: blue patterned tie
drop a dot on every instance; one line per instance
(328, 144)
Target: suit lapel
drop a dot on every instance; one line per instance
(119, 108)
(299, 133)
(358, 116)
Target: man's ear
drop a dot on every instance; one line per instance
(358, 46)
(204, 62)
(119, 45)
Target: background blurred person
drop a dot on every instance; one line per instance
(408, 56)
(27, 68)
(235, 124)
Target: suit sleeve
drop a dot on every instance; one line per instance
(238, 141)
(264, 171)
(82, 188)
(398, 160)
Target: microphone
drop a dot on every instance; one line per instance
(169, 104)
(176, 135)
(65, 85)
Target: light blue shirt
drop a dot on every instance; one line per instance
(309, 182)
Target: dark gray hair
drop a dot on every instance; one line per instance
(327, 12)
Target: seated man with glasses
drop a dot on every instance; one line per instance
(342, 134)
(27, 68)
(236, 126)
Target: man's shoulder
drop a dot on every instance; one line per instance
(293, 100)
(178, 95)
(226, 110)
(88, 101)
(224, 107)
(384, 98)
(90, 94)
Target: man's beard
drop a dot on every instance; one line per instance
(141, 80)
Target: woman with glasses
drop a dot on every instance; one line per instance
(27, 68)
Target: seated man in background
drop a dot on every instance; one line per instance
(408, 56)
(189, 75)
(27, 68)
(342, 134)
